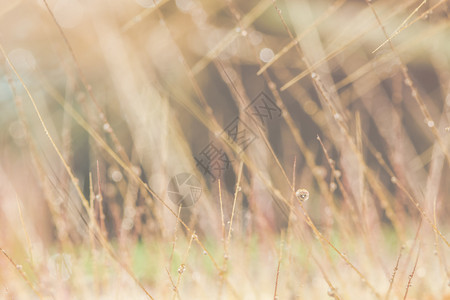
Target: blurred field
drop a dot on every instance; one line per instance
(309, 138)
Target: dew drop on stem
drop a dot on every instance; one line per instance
(181, 269)
(337, 173)
(107, 127)
(302, 194)
(337, 117)
(333, 186)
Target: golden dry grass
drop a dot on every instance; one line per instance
(335, 183)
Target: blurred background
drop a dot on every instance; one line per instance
(104, 104)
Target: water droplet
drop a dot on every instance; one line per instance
(333, 187)
(244, 33)
(239, 188)
(181, 269)
(337, 173)
(394, 179)
(116, 176)
(430, 123)
(194, 236)
(408, 82)
(314, 75)
(337, 117)
(19, 267)
(107, 127)
(266, 54)
(205, 253)
(331, 292)
(302, 194)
